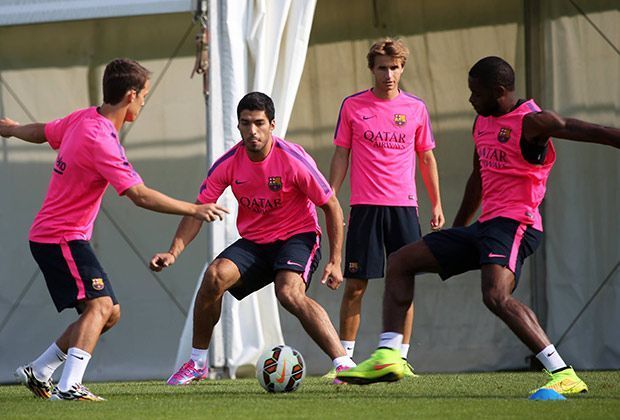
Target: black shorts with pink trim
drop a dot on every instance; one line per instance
(501, 241)
(258, 263)
(72, 273)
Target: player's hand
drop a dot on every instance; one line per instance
(437, 220)
(161, 261)
(6, 124)
(210, 212)
(332, 275)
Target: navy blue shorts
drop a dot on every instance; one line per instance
(258, 263)
(72, 273)
(501, 241)
(373, 233)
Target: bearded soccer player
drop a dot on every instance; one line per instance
(382, 130)
(513, 152)
(90, 157)
(277, 185)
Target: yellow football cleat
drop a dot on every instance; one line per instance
(564, 382)
(408, 369)
(331, 375)
(385, 365)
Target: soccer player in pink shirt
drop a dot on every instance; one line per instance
(278, 187)
(90, 157)
(382, 130)
(512, 160)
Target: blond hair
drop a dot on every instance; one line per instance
(394, 48)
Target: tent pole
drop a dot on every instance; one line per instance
(534, 84)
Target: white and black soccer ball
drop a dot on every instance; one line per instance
(280, 369)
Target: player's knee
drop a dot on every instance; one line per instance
(213, 285)
(353, 290)
(289, 298)
(398, 264)
(103, 307)
(115, 316)
(494, 300)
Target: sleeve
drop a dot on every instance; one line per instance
(110, 160)
(344, 132)
(214, 184)
(54, 130)
(424, 139)
(311, 181)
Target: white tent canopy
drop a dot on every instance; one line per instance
(20, 12)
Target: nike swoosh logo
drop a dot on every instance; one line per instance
(281, 377)
(379, 367)
(289, 262)
(240, 182)
(492, 255)
(550, 354)
(78, 357)
(367, 118)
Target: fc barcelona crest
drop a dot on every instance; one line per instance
(98, 284)
(400, 119)
(275, 183)
(504, 135)
(354, 267)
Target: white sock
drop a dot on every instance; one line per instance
(200, 358)
(391, 340)
(343, 361)
(349, 347)
(46, 364)
(404, 350)
(77, 360)
(550, 358)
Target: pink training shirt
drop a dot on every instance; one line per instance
(89, 158)
(276, 196)
(384, 137)
(511, 186)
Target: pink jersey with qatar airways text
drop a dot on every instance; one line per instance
(511, 186)
(384, 136)
(89, 158)
(277, 196)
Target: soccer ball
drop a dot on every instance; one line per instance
(280, 369)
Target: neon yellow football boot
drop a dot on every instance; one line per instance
(385, 365)
(564, 382)
(331, 375)
(408, 369)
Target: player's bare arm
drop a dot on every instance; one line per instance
(472, 197)
(338, 167)
(428, 169)
(145, 197)
(32, 133)
(332, 274)
(538, 127)
(186, 232)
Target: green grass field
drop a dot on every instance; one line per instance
(483, 395)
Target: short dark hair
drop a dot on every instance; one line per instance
(257, 101)
(120, 76)
(493, 71)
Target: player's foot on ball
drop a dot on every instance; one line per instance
(41, 389)
(408, 369)
(385, 365)
(187, 374)
(564, 382)
(77, 392)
